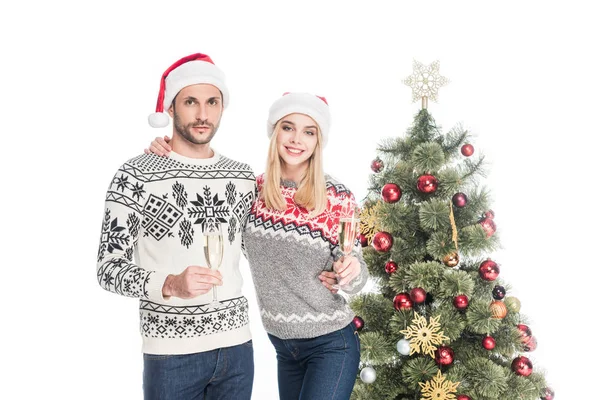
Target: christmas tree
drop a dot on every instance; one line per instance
(441, 323)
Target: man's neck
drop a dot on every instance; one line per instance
(189, 149)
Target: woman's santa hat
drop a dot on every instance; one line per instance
(191, 70)
(315, 107)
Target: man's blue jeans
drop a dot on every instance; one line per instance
(221, 374)
(320, 368)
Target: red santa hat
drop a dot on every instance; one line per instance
(315, 107)
(191, 70)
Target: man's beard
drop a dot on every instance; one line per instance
(186, 131)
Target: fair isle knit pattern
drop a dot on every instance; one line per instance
(287, 251)
(155, 211)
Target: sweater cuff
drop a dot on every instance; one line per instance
(155, 285)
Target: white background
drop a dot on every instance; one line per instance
(78, 81)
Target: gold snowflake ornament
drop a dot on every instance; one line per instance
(369, 225)
(425, 81)
(424, 337)
(438, 388)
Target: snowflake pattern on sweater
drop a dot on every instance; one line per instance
(156, 209)
(287, 250)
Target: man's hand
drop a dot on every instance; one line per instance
(159, 146)
(346, 269)
(192, 282)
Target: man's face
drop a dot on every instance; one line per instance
(197, 112)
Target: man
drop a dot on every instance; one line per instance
(159, 209)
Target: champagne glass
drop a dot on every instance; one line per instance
(213, 254)
(347, 231)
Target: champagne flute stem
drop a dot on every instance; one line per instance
(215, 294)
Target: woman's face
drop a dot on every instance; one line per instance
(297, 139)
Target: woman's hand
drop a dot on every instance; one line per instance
(159, 146)
(346, 269)
(328, 279)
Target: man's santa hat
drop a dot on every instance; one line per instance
(191, 70)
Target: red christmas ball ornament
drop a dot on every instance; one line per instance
(364, 242)
(391, 267)
(522, 366)
(358, 322)
(489, 226)
(530, 345)
(467, 150)
(498, 292)
(547, 394)
(461, 302)
(488, 342)
(498, 309)
(418, 295)
(489, 214)
(427, 183)
(462, 397)
(444, 355)
(391, 193)
(525, 332)
(376, 165)
(402, 301)
(459, 200)
(383, 241)
(489, 270)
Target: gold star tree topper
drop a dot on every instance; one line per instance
(425, 81)
(424, 337)
(438, 388)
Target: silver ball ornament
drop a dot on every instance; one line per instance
(403, 347)
(368, 375)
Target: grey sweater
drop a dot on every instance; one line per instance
(287, 251)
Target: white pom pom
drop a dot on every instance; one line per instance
(158, 120)
(368, 375)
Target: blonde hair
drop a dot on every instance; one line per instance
(311, 193)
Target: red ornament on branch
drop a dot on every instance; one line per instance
(462, 397)
(402, 301)
(525, 332)
(358, 323)
(522, 366)
(444, 355)
(489, 214)
(498, 292)
(391, 193)
(377, 165)
(488, 342)
(467, 150)
(547, 394)
(427, 183)
(489, 270)
(461, 302)
(383, 241)
(418, 295)
(530, 345)
(459, 200)
(488, 225)
(391, 267)
(364, 242)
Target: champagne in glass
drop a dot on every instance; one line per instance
(213, 254)
(347, 232)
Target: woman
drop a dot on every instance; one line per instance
(292, 247)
